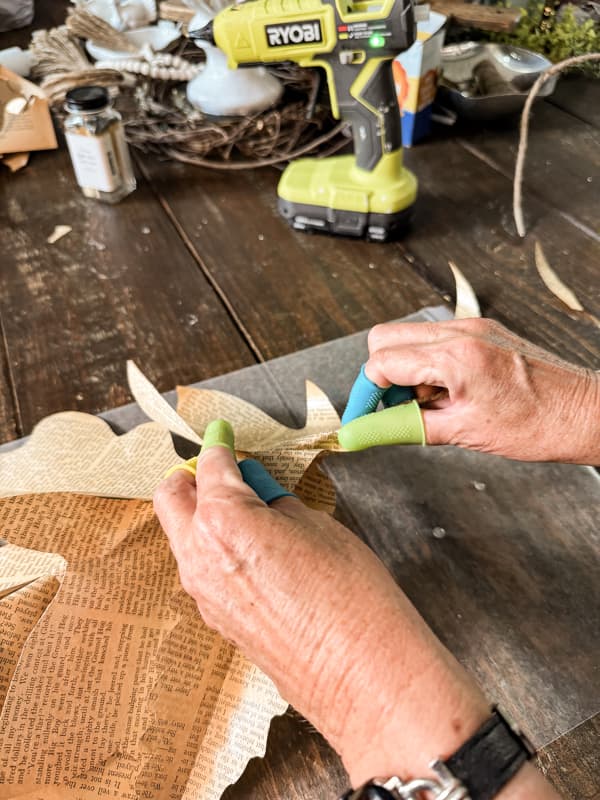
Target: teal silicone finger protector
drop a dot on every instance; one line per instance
(398, 425)
(363, 399)
(261, 480)
(396, 395)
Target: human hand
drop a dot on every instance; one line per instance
(312, 606)
(503, 394)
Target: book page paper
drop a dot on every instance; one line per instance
(110, 683)
(154, 405)
(75, 452)
(28, 581)
(286, 452)
(119, 690)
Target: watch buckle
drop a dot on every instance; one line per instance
(446, 787)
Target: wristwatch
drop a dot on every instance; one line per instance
(478, 770)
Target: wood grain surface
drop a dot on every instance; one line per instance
(477, 15)
(195, 275)
(290, 290)
(572, 762)
(562, 166)
(324, 287)
(121, 285)
(465, 214)
(8, 414)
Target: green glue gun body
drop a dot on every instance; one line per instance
(369, 193)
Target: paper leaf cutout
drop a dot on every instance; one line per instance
(28, 581)
(154, 405)
(254, 429)
(75, 452)
(148, 698)
(467, 305)
(19, 567)
(286, 452)
(553, 282)
(312, 485)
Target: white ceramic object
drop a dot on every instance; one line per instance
(155, 37)
(121, 14)
(214, 5)
(223, 92)
(17, 60)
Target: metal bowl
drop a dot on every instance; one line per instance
(488, 81)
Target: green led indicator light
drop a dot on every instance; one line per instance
(376, 40)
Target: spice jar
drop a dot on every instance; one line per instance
(97, 145)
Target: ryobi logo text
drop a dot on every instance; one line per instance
(295, 33)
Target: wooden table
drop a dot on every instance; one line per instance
(196, 275)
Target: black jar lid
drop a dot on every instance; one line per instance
(87, 98)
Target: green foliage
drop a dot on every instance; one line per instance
(557, 38)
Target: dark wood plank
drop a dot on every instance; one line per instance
(121, 285)
(563, 159)
(324, 287)
(465, 215)
(578, 96)
(9, 427)
(474, 15)
(291, 290)
(298, 765)
(48, 14)
(572, 762)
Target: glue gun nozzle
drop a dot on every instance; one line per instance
(206, 33)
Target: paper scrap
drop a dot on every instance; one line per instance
(467, 305)
(254, 429)
(58, 233)
(553, 282)
(75, 452)
(31, 129)
(119, 689)
(15, 161)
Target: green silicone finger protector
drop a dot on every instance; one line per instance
(401, 424)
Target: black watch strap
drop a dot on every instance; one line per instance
(368, 792)
(490, 758)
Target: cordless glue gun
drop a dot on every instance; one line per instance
(369, 193)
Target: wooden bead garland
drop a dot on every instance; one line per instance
(165, 67)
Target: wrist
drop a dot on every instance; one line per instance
(571, 426)
(575, 434)
(491, 765)
(587, 449)
(398, 702)
(430, 720)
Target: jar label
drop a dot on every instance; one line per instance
(94, 161)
